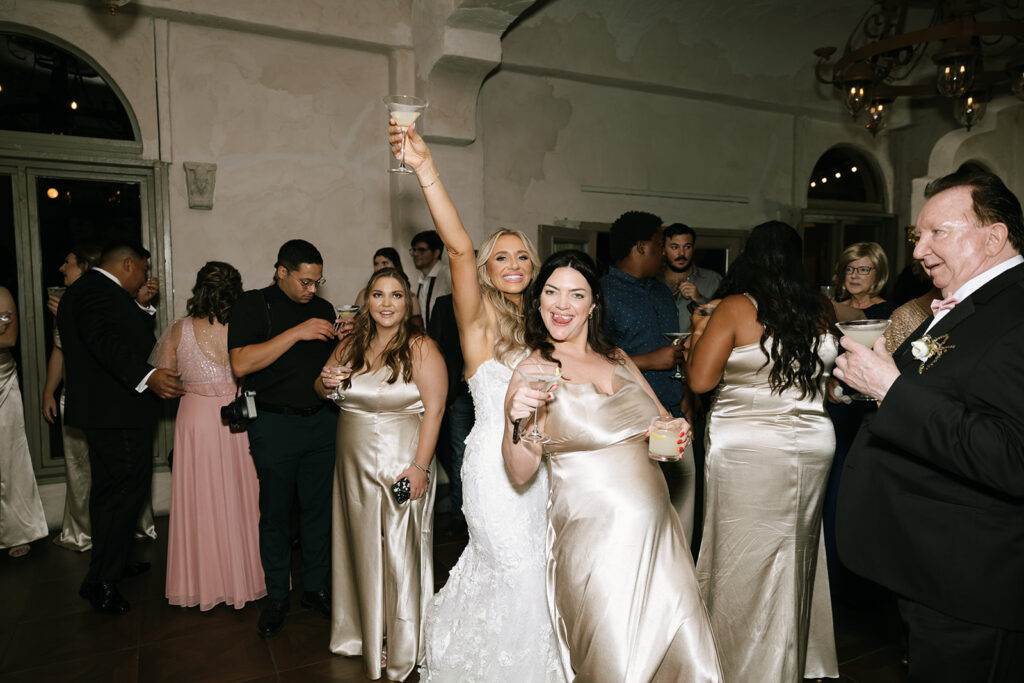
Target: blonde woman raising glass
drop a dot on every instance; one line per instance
(490, 621)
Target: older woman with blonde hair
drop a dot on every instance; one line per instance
(861, 274)
(490, 621)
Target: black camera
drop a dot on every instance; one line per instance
(239, 412)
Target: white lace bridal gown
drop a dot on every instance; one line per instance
(490, 622)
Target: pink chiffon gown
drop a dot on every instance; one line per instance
(213, 541)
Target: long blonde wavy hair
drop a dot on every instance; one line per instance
(510, 334)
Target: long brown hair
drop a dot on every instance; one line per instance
(397, 355)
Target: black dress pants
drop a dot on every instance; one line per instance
(121, 462)
(943, 649)
(294, 455)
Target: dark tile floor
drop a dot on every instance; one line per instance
(48, 633)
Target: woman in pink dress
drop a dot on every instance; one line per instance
(213, 541)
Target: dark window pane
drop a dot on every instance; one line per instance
(46, 89)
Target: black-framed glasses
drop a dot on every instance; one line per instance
(863, 270)
(308, 284)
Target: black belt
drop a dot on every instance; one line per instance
(286, 410)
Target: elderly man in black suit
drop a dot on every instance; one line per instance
(112, 396)
(932, 497)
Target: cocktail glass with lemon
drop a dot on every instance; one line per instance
(664, 435)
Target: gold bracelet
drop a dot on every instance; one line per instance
(437, 176)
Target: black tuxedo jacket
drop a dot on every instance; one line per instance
(445, 331)
(931, 502)
(106, 340)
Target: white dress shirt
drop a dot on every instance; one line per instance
(441, 278)
(977, 282)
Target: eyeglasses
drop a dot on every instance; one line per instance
(419, 250)
(306, 283)
(863, 270)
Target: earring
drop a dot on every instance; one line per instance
(590, 315)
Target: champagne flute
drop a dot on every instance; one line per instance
(540, 376)
(864, 332)
(404, 110)
(340, 373)
(675, 339)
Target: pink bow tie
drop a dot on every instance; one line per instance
(943, 304)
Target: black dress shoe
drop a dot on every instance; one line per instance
(87, 589)
(105, 598)
(318, 601)
(135, 569)
(272, 617)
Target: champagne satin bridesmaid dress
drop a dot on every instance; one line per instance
(382, 562)
(621, 586)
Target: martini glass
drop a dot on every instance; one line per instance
(864, 332)
(343, 314)
(541, 376)
(675, 339)
(404, 110)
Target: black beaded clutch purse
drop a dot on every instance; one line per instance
(400, 490)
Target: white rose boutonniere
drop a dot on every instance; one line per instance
(928, 350)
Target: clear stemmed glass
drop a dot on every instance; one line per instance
(340, 373)
(675, 339)
(404, 110)
(343, 314)
(864, 332)
(540, 376)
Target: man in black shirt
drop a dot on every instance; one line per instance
(279, 339)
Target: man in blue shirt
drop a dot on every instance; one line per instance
(639, 309)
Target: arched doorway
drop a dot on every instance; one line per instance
(71, 171)
(846, 203)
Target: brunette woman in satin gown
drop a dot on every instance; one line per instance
(761, 564)
(213, 552)
(76, 529)
(620, 581)
(391, 402)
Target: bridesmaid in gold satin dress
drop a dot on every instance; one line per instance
(761, 565)
(391, 407)
(620, 579)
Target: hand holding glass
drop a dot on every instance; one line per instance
(343, 314)
(404, 110)
(864, 332)
(539, 376)
(675, 339)
(665, 436)
(340, 373)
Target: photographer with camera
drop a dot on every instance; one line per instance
(279, 339)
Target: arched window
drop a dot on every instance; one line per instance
(844, 174)
(845, 204)
(71, 173)
(47, 89)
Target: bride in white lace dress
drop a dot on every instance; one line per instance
(489, 624)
